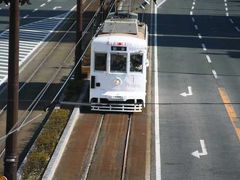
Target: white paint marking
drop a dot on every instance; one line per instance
(194, 3)
(193, 19)
(226, 9)
(208, 59)
(49, 0)
(225, 0)
(214, 74)
(156, 107)
(204, 47)
(191, 13)
(237, 28)
(161, 3)
(192, 7)
(57, 7)
(42, 5)
(25, 16)
(231, 20)
(199, 36)
(227, 14)
(204, 150)
(189, 93)
(226, 4)
(35, 10)
(196, 27)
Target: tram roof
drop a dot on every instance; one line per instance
(124, 26)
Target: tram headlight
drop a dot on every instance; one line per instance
(117, 82)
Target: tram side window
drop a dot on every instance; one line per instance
(136, 62)
(118, 62)
(100, 61)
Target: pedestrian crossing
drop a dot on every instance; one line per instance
(31, 36)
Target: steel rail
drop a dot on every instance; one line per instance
(124, 167)
(93, 149)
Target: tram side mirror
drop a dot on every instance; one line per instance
(147, 63)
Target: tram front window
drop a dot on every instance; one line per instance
(136, 64)
(118, 63)
(100, 61)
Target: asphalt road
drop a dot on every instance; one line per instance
(198, 53)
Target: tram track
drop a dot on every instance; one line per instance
(102, 152)
(33, 107)
(106, 146)
(98, 145)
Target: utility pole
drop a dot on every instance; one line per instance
(79, 30)
(11, 158)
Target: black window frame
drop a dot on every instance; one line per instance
(104, 66)
(136, 70)
(123, 69)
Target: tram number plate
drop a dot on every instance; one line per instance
(117, 97)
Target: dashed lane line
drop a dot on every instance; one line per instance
(196, 27)
(208, 59)
(199, 36)
(204, 47)
(214, 74)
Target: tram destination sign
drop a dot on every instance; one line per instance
(118, 48)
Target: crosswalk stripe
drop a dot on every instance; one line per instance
(31, 36)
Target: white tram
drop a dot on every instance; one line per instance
(119, 64)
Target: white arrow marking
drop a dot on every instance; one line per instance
(190, 93)
(204, 150)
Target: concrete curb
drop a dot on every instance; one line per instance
(56, 157)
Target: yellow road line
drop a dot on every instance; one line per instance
(230, 110)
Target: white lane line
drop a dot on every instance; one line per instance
(208, 59)
(214, 74)
(226, 4)
(25, 16)
(199, 36)
(226, 9)
(237, 28)
(196, 27)
(191, 13)
(231, 20)
(156, 107)
(225, 1)
(227, 14)
(204, 47)
(42, 5)
(193, 19)
(35, 10)
(57, 7)
(192, 7)
(193, 3)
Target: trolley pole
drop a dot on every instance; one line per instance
(79, 30)
(11, 158)
(102, 10)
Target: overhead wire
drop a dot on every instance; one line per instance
(33, 105)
